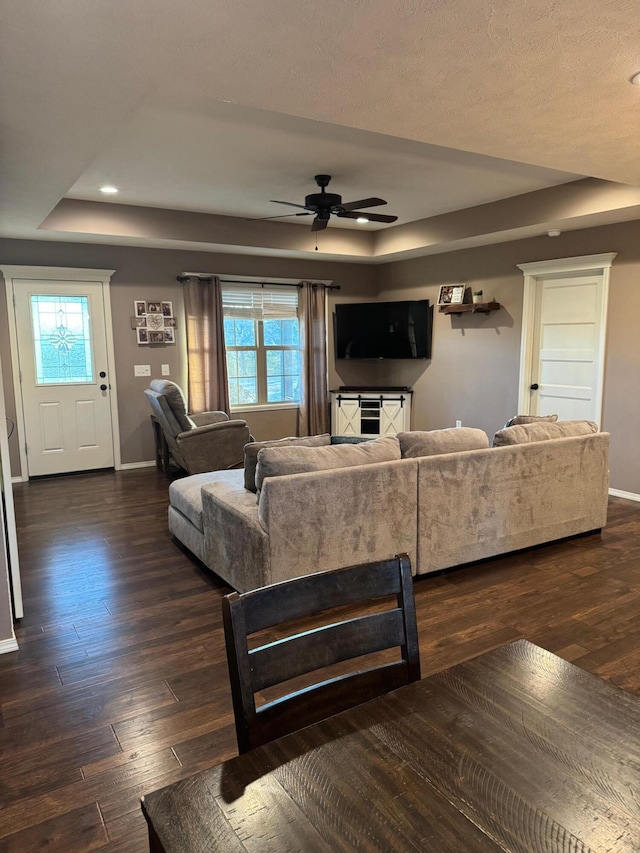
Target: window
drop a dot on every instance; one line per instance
(262, 340)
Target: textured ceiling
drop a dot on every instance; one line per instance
(215, 108)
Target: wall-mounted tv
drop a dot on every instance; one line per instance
(375, 330)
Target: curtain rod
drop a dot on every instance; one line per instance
(206, 277)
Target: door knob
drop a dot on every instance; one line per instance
(102, 374)
(103, 387)
(534, 387)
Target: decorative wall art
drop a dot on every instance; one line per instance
(451, 294)
(153, 322)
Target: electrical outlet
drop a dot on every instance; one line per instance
(142, 370)
(165, 369)
(458, 423)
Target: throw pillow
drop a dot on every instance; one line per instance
(251, 452)
(530, 419)
(279, 461)
(436, 441)
(525, 433)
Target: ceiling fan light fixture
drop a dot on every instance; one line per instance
(109, 190)
(362, 220)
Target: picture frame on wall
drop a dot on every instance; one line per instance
(154, 308)
(167, 309)
(139, 307)
(169, 336)
(169, 322)
(155, 321)
(156, 337)
(139, 322)
(142, 336)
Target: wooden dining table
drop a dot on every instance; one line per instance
(513, 750)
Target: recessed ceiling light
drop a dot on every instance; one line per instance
(636, 79)
(108, 190)
(362, 220)
(554, 233)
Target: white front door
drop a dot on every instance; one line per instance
(562, 364)
(63, 374)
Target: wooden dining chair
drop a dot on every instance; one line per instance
(344, 636)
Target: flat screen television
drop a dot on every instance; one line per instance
(377, 330)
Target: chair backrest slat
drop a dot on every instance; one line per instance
(346, 637)
(310, 705)
(285, 659)
(304, 596)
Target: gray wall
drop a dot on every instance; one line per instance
(473, 372)
(151, 274)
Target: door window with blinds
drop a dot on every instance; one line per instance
(262, 340)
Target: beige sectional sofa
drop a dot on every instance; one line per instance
(444, 497)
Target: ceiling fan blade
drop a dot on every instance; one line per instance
(290, 203)
(372, 217)
(364, 202)
(279, 216)
(319, 224)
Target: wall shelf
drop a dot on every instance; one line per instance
(470, 308)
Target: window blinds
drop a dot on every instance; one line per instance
(259, 303)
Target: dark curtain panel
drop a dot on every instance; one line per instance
(313, 414)
(208, 388)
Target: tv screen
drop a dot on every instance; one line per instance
(367, 330)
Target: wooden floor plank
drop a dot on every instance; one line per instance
(120, 683)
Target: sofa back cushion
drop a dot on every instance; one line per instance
(279, 461)
(436, 441)
(518, 420)
(526, 433)
(251, 452)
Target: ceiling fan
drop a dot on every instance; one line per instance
(324, 205)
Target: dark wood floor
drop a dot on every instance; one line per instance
(120, 684)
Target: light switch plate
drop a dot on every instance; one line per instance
(142, 370)
(165, 369)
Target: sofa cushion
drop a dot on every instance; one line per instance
(526, 433)
(279, 461)
(185, 493)
(251, 452)
(436, 441)
(518, 420)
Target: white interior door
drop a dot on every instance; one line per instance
(566, 348)
(64, 375)
(564, 325)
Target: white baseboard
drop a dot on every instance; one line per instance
(618, 493)
(9, 645)
(126, 466)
